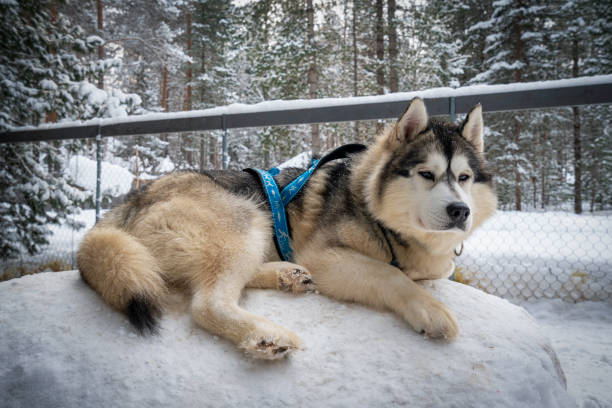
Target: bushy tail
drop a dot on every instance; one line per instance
(124, 273)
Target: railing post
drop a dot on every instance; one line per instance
(98, 173)
(451, 109)
(224, 156)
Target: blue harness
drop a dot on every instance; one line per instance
(279, 200)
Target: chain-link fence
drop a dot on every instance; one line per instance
(519, 255)
(543, 251)
(532, 255)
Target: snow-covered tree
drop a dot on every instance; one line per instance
(44, 73)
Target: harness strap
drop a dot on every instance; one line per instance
(394, 261)
(281, 231)
(278, 201)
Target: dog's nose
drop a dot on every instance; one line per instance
(458, 211)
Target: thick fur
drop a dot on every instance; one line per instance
(210, 235)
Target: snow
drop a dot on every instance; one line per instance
(94, 96)
(115, 180)
(301, 161)
(48, 85)
(94, 40)
(64, 347)
(581, 335)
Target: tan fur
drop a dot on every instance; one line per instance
(188, 233)
(205, 240)
(118, 266)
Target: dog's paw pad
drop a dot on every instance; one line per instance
(270, 349)
(296, 279)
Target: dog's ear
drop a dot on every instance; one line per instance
(472, 128)
(412, 122)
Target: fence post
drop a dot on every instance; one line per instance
(98, 173)
(451, 109)
(224, 157)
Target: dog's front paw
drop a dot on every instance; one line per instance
(431, 317)
(296, 279)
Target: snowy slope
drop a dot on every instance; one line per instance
(62, 346)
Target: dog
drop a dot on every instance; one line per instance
(363, 230)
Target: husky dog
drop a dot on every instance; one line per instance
(363, 229)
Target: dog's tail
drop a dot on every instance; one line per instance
(124, 273)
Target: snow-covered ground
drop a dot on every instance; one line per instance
(581, 334)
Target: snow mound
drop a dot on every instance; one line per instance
(62, 346)
(115, 180)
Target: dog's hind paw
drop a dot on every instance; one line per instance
(296, 279)
(271, 347)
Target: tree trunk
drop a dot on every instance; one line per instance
(393, 79)
(577, 139)
(100, 47)
(203, 71)
(312, 77)
(577, 162)
(137, 170)
(535, 191)
(215, 152)
(355, 90)
(164, 90)
(380, 54)
(517, 173)
(518, 51)
(202, 152)
(594, 184)
(51, 116)
(188, 72)
(543, 192)
(380, 47)
(543, 172)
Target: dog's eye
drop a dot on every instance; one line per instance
(464, 177)
(427, 175)
(403, 173)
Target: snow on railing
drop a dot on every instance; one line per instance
(439, 101)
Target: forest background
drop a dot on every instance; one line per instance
(78, 60)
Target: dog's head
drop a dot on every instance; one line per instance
(433, 176)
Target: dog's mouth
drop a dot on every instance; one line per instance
(461, 225)
(457, 226)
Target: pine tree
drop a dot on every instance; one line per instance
(584, 33)
(34, 83)
(49, 81)
(515, 51)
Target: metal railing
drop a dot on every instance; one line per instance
(586, 276)
(442, 101)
